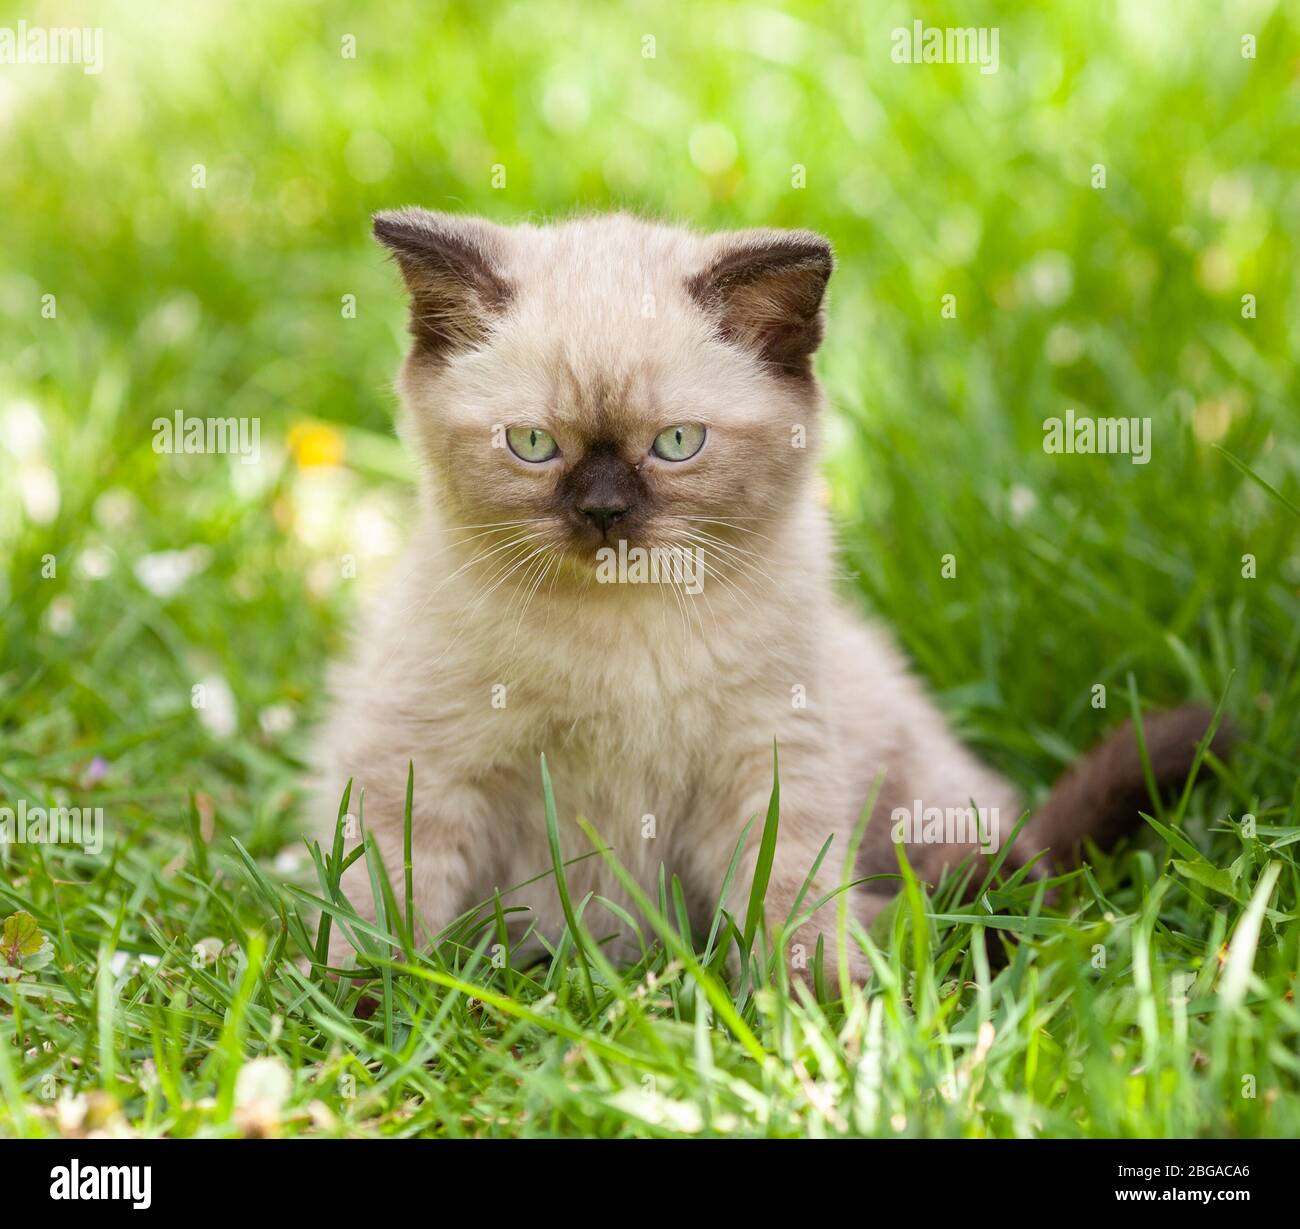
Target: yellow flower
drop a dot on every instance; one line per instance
(315, 444)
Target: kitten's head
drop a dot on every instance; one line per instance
(609, 378)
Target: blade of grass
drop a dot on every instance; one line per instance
(766, 856)
(562, 885)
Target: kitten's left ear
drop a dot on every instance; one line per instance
(454, 269)
(764, 289)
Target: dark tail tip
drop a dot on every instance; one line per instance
(1099, 797)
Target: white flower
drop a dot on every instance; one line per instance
(263, 1080)
(39, 489)
(218, 714)
(165, 572)
(22, 429)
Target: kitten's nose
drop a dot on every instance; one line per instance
(603, 515)
(602, 489)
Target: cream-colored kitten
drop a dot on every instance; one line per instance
(604, 381)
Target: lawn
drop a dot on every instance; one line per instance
(1108, 224)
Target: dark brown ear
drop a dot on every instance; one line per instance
(764, 289)
(453, 270)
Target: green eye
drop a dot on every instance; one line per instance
(679, 443)
(531, 444)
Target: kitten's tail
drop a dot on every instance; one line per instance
(1100, 795)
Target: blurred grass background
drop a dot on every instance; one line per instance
(931, 180)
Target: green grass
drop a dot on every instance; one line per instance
(1153, 995)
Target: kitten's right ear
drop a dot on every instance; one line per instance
(453, 268)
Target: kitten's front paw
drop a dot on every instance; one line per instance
(342, 955)
(800, 957)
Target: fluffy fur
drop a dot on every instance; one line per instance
(494, 643)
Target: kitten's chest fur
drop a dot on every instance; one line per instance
(640, 699)
(628, 703)
(627, 696)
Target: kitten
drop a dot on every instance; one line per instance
(575, 392)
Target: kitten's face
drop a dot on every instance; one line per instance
(610, 379)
